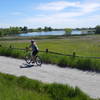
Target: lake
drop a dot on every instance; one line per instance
(48, 33)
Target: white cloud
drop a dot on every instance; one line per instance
(54, 18)
(90, 21)
(57, 6)
(90, 7)
(85, 7)
(63, 18)
(3, 25)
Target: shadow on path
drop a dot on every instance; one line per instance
(26, 65)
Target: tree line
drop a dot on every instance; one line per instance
(25, 29)
(69, 30)
(97, 29)
(12, 30)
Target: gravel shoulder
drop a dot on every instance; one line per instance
(89, 82)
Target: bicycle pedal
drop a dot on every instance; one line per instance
(33, 61)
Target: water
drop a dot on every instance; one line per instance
(48, 33)
(76, 32)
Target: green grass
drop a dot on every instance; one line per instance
(80, 63)
(22, 88)
(84, 46)
(10, 90)
(81, 47)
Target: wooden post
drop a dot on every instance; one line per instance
(74, 54)
(10, 46)
(46, 50)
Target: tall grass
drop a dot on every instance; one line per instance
(11, 52)
(22, 88)
(80, 63)
(62, 61)
(10, 90)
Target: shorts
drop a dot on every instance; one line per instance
(34, 53)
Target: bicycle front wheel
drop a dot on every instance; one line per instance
(38, 61)
(28, 59)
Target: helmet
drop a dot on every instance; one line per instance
(32, 41)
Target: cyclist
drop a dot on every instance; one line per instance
(34, 48)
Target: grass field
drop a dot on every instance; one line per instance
(82, 45)
(22, 88)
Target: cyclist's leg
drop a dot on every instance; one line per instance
(34, 53)
(33, 57)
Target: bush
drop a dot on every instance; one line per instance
(68, 31)
(88, 64)
(97, 29)
(11, 52)
(63, 61)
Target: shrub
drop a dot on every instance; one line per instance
(63, 61)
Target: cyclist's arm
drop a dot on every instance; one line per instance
(28, 48)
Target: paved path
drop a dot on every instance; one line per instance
(87, 81)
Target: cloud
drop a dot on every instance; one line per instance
(90, 7)
(57, 14)
(53, 18)
(57, 6)
(61, 22)
(64, 16)
(3, 25)
(85, 7)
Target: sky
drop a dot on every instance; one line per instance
(53, 13)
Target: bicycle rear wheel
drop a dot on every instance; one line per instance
(38, 61)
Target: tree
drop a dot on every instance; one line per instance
(14, 30)
(25, 29)
(1, 32)
(68, 31)
(50, 29)
(45, 28)
(39, 29)
(97, 29)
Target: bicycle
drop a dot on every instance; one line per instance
(29, 59)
